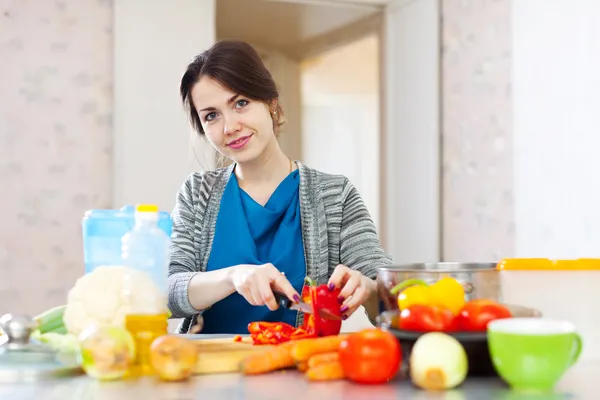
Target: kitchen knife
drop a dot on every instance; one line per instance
(301, 306)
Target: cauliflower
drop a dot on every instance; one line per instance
(107, 294)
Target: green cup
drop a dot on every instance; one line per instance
(532, 354)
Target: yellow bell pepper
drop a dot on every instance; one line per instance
(447, 292)
(416, 294)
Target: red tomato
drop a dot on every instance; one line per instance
(370, 356)
(476, 315)
(424, 318)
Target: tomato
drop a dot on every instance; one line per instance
(476, 315)
(370, 356)
(424, 318)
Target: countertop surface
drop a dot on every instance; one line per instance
(581, 382)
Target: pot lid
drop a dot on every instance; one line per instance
(22, 359)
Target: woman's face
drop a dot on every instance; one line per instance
(237, 127)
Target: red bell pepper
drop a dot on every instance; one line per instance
(320, 297)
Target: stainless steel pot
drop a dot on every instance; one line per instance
(479, 279)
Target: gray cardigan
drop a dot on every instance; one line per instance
(336, 229)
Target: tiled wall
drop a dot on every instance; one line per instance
(478, 220)
(55, 142)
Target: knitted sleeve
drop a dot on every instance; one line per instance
(183, 264)
(360, 248)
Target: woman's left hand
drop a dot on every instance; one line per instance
(355, 288)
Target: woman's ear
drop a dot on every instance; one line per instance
(273, 107)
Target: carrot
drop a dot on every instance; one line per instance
(302, 366)
(304, 349)
(272, 359)
(323, 358)
(326, 372)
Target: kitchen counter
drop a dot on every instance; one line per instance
(581, 382)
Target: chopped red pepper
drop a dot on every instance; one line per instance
(272, 332)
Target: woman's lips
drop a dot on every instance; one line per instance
(239, 143)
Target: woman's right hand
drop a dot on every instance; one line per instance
(257, 282)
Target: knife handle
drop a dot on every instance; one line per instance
(282, 299)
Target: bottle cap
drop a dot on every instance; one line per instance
(153, 208)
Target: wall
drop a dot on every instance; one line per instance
(73, 136)
(155, 149)
(55, 143)
(411, 140)
(286, 73)
(340, 114)
(521, 99)
(478, 204)
(556, 98)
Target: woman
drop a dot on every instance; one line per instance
(265, 222)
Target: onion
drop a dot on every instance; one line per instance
(106, 353)
(173, 358)
(438, 362)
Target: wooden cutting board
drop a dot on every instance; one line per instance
(223, 355)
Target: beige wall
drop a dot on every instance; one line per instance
(66, 146)
(477, 197)
(55, 143)
(411, 124)
(521, 92)
(155, 149)
(286, 73)
(341, 117)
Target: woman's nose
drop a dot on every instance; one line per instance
(232, 125)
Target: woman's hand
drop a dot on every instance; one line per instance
(257, 282)
(355, 288)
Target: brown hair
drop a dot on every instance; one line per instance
(237, 66)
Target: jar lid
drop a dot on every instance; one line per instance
(126, 212)
(23, 360)
(546, 264)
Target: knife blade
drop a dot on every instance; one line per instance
(303, 307)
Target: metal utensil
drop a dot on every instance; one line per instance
(22, 359)
(303, 307)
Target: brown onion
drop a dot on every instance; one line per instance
(173, 358)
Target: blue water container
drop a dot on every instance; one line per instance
(102, 233)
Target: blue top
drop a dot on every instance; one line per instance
(249, 233)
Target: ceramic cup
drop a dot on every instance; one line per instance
(532, 354)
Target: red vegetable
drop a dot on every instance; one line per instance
(314, 325)
(426, 318)
(476, 315)
(370, 356)
(321, 297)
(271, 332)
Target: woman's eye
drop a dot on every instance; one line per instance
(210, 116)
(241, 103)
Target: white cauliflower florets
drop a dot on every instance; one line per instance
(104, 296)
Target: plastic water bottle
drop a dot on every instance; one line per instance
(145, 250)
(146, 247)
